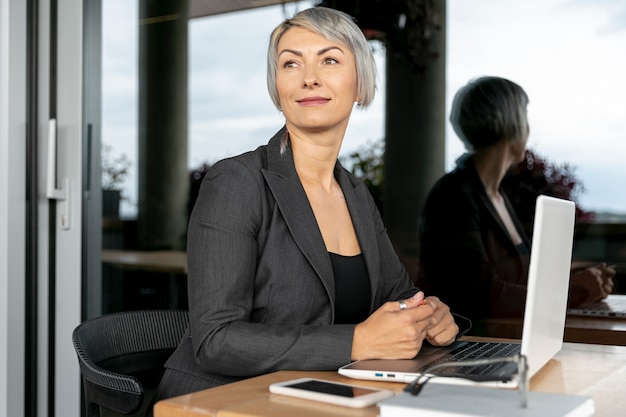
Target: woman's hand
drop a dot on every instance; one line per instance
(443, 329)
(596, 280)
(397, 329)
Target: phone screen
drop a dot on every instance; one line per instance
(333, 389)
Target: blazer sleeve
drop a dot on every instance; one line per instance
(233, 209)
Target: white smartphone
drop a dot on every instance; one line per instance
(331, 392)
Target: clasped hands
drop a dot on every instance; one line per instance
(597, 281)
(397, 330)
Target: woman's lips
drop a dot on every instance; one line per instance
(313, 101)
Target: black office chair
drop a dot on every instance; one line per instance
(121, 354)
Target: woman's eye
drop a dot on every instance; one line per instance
(290, 64)
(330, 60)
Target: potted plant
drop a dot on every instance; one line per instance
(114, 173)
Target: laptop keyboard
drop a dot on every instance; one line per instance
(478, 350)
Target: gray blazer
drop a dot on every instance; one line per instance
(261, 285)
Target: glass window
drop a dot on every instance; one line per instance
(566, 55)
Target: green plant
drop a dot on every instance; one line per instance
(537, 175)
(114, 168)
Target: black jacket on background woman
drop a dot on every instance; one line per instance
(467, 256)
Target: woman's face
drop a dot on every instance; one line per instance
(520, 143)
(316, 81)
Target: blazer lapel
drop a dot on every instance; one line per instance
(294, 206)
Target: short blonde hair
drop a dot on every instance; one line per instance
(336, 26)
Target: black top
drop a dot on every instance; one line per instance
(352, 288)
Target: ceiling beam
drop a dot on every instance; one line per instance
(202, 8)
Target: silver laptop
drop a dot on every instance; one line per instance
(614, 306)
(544, 316)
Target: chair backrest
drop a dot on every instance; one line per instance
(121, 353)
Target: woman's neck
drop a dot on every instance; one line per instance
(491, 164)
(315, 158)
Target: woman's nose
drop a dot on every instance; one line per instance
(311, 83)
(310, 78)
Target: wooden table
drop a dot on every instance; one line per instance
(598, 371)
(595, 330)
(578, 329)
(173, 262)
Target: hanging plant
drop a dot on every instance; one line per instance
(404, 26)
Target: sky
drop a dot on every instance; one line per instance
(567, 54)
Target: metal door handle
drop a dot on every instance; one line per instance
(53, 193)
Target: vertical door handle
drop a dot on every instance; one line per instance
(61, 194)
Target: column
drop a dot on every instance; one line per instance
(162, 162)
(414, 138)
